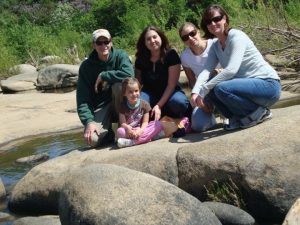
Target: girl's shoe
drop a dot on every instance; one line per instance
(124, 142)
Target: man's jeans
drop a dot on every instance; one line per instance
(241, 96)
(176, 107)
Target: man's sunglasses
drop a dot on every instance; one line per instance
(215, 19)
(187, 36)
(99, 43)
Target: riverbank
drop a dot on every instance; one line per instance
(25, 115)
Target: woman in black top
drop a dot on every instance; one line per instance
(157, 67)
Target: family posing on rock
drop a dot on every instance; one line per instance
(225, 71)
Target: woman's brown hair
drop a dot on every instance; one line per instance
(208, 14)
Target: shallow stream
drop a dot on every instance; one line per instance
(55, 145)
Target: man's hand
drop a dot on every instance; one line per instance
(89, 130)
(98, 84)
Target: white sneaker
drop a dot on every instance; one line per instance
(124, 142)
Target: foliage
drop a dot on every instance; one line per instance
(32, 29)
(226, 192)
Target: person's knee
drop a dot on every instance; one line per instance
(202, 121)
(121, 133)
(178, 107)
(97, 140)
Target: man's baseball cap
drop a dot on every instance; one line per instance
(100, 33)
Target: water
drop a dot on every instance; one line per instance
(55, 145)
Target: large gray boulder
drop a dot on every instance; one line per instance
(113, 195)
(293, 216)
(2, 190)
(58, 76)
(229, 214)
(22, 68)
(41, 186)
(263, 161)
(41, 220)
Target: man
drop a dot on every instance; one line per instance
(99, 88)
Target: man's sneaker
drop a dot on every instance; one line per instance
(259, 116)
(124, 142)
(231, 124)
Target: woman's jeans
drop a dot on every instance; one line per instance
(177, 105)
(241, 96)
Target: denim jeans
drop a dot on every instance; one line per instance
(201, 120)
(241, 96)
(176, 107)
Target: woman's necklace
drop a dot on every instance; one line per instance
(137, 104)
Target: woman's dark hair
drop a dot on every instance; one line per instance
(143, 52)
(208, 14)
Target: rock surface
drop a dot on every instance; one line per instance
(293, 216)
(41, 220)
(29, 114)
(9, 86)
(113, 195)
(262, 161)
(33, 158)
(2, 190)
(230, 215)
(58, 76)
(22, 68)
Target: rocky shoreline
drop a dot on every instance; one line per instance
(87, 186)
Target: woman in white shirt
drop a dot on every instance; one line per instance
(193, 59)
(247, 85)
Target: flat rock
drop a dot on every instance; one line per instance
(16, 85)
(33, 158)
(40, 220)
(28, 114)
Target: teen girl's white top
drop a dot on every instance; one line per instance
(240, 59)
(195, 62)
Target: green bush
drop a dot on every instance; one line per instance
(32, 29)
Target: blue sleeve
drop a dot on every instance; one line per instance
(236, 46)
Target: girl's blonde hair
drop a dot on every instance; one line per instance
(129, 81)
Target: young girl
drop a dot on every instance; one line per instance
(135, 127)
